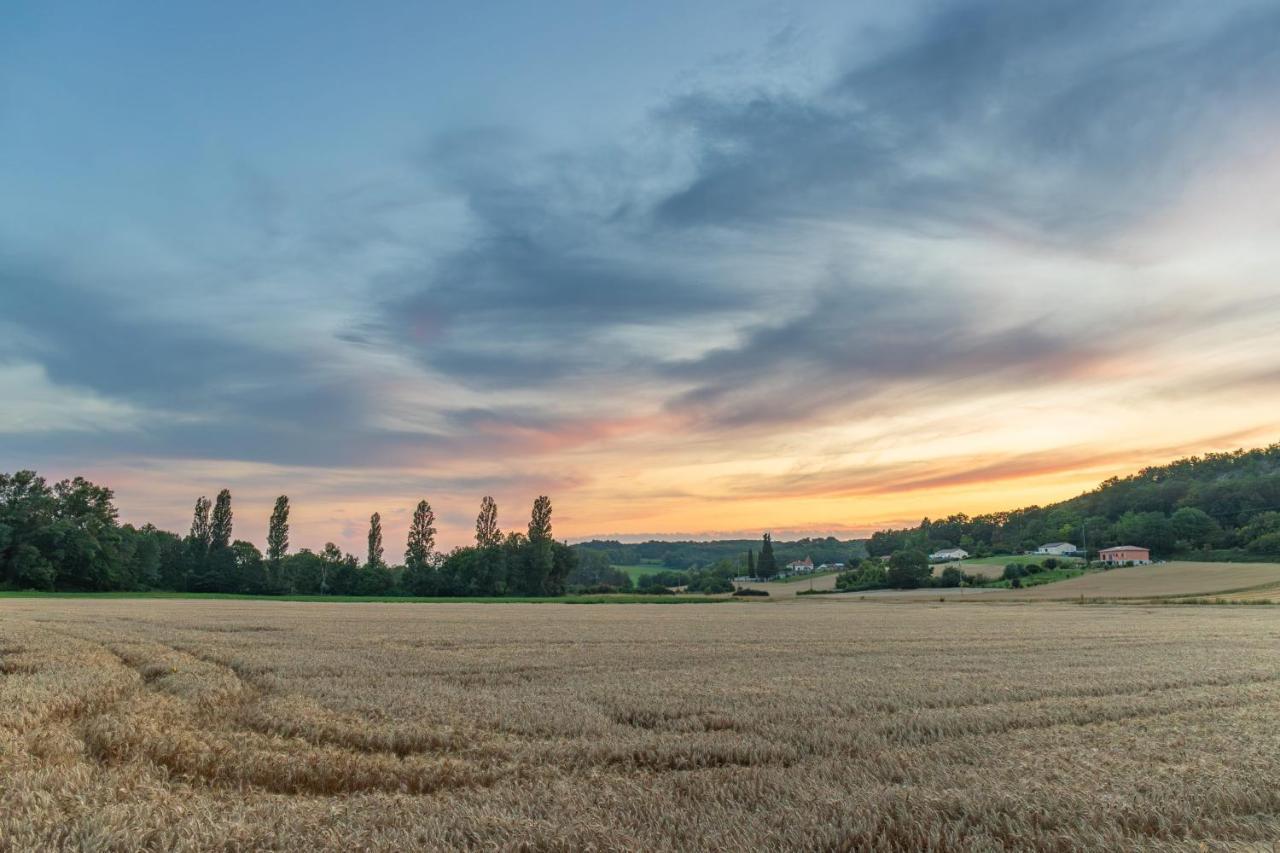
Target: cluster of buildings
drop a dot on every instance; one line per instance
(800, 567)
(806, 567)
(1119, 555)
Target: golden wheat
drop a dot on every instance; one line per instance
(179, 725)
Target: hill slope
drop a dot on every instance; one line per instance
(1221, 505)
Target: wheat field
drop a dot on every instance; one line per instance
(183, 725)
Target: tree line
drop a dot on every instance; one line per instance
(684, 555)
(1217, 506)
(67, 536)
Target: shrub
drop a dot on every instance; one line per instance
(908, 570)
(748, 591)
(1051, 562)
(1015, 583)
(950, 577)
(1012, 572)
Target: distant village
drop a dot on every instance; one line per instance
(1119, 555)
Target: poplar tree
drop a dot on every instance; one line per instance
(375, 541)
(767, 566)
(200, 533)
(541, 557)
(540, 520)
(422, 539)
(218, 572)
(278, 531)
(751, 563)
(197, 544)
(487, 533)
(220, 526)
(278, 544)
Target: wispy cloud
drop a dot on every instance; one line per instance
(782, 292)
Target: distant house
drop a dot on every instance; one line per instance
(1121, 554)
(948, 555)
(1056, 549)
(830, 567)
(798, 566)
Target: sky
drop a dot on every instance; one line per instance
(691, 269)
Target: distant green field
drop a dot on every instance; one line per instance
(625, 598)
(638, 571)
(1021, 560)
(802, 578)
(1041, 578)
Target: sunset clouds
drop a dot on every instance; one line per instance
(687, 272)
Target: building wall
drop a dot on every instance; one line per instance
(1136, 555)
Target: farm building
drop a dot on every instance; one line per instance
(831, 567)
(805, 565)
(1056, 549)
(947, 555)
(1121, 554)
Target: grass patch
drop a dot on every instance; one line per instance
(639, 570)
(802, 578)
(1021, 560)
(1041, 578)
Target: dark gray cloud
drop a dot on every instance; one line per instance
(1064, 117)
(550, 269)
(858, 342)
(202, 390)
(1060, 121)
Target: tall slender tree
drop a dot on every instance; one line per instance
(197, 546)
(540, 520)
(220, 525)
(278, 531)
(422, 538)
(200, 532)
(375, 541)
(767, 566)
(540, 561)
(487, 533)
(751, 563)
(278, 545)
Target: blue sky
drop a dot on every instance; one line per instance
(689, 268)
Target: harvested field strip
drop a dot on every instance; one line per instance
(305, 727)
(1157, 581)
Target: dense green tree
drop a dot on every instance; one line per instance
(908, 569)
(1195, 527)
(250, 571)
(1149, 529)
(594, 572)
(751, 563)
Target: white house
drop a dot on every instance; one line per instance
(805, 565)
(948, 555)
(831, 567)
(1056, 549)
